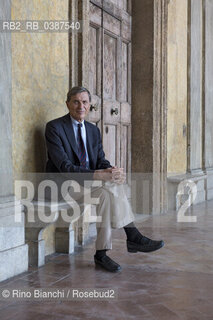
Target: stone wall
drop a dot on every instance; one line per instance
(40, 80)
(6, 185)
(40, 74)
(177, 87)
(13, 250)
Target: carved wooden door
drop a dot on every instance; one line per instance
(95, 65)
(110, 77)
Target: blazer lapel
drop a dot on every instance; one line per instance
(67, 123)
(89, 144)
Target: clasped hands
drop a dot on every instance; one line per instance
(113, 174)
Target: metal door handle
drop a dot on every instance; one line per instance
(93, 107)
(114, 111)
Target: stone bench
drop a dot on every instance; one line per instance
(183, 186)
(67, 233)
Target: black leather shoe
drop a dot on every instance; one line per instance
(107, 263)
(145, 245)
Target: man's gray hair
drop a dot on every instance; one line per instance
(76, 90)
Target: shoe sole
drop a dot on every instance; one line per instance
(133, 250)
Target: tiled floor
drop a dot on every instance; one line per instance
(173, 283)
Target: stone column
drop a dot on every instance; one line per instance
(195, 99)
(208, 96)
(149, 153)
(195, 87)
(13, 251)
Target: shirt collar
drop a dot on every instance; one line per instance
(75, 122)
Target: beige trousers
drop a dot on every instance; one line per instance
(113, 210)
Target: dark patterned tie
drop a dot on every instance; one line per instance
(81, 147)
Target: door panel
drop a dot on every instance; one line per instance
(111, 134)
(120, 3)
(110, 68)
(110, 77)
(95, 68)
(93, 61)
(111, 88)
(126, 26)
(124, 147)
(97, 2)
(111, 24)
(124, 90)
(95, 15)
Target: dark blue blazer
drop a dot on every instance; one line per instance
(62, 147)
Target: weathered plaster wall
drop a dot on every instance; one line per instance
(40, 81)
(40, 78)
(177, 86)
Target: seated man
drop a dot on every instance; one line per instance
(74, 146)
